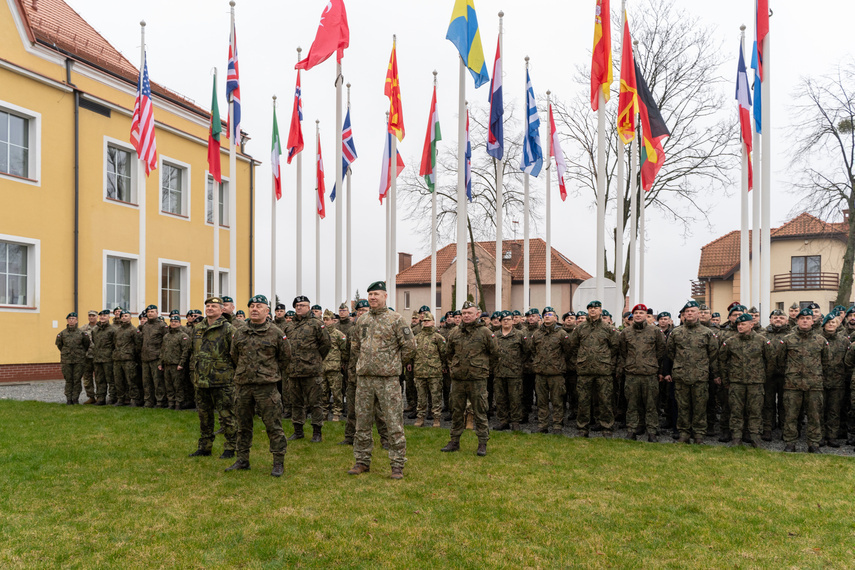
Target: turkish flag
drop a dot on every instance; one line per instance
(333, 36)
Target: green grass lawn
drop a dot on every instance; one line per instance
(100, 487)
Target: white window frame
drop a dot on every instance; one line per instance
(134, 259)
(224, 274)
(184, 303)
(224, 225)
(122, 145)
(34, 154)
(406, 300)
(33, 274)
(185, 188)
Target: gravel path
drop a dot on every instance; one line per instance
(51, 391)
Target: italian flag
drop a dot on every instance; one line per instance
(428, 168)
(275, 152)
(214, 132)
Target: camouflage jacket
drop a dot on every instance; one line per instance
(471, 352)
(846, 331)
(835, 373)
(746, 358)
(512, 350)
(128, 342)
(73, 344)
(261, 353)
(280, 322)
(339, 352)
(176, 347)
(152, 339)
(351, 361)
(429, 358)
(445, 330)
(775, 335)
(594, 348)
(87, 328)
(640, 350)
(551, 348)
(210, 355)
(345, 324)
(804, 358)
(415, 327)
(693, 353)
(104, 340)
(528, 364)
(382, 342)
(310, 343)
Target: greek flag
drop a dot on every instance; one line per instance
(532, 160)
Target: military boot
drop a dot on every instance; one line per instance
(451, 446)
(227, 454)
(239, 465)
(790, 448)
(200, 453)
(725, 437)
(684, 438)
(420, 422)
(736, 442)
(767, 435)
(298, 432)
(278, 469)
(316, 434)
(359, 469)
(397, 473)
(436, 422)
(515, 427)
(69, 402)
(482, 450)
(833, 443)
(90, 401)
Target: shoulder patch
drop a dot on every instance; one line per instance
(323, 326)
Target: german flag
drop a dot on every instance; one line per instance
(653, 130)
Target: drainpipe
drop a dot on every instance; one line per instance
(68, 65)
(252, 223)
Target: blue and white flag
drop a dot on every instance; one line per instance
(532, 160)
(348, 151)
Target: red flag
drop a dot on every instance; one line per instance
(333, 36)
(555, 150)
(142, 127)
(214, 131)
(295, 134)
(322, 211)
(393, 92)
(628, 99)
(601, 59)
(762, 30)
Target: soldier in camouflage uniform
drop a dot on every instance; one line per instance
(428, 363)
(641, 348)
(335, 360)
(550, 345)
(532, 322)
(569, 323)
(410, 391)
(594, 349)
(345, 323)
(773, 391)
(513, 348)
(128, 340)
(89, 362)
(174, 355)
(73, 344)
(735, 310)
(152, 339)
(310, 344)
(103, 341)
(213, 372)
(471, 352)
(285, 388)
(834, 381)
(260, 351)
(746, 360)
(381, 344)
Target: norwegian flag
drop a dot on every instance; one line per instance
(142, 127)
(322, 210)
(295, 133)
(233, 88)
(348, 151)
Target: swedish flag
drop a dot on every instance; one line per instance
(463, 32)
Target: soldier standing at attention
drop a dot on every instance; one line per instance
(513, 349)
(345, 323)
(260, 351)
(103, 340)
(89, 363)
(174, 355)
(381, 344)
(408, 380)
(229, 309)
(551, 348)
(127, 347)
(317, 312)
(428, 363)
(73, 344)
(471, 351)
(213, 376)
(834, 381)
(310, 344)
(152, 339)
(279, 316)
(335, 359)
(642, 346)
(773, 391)
(794, 315)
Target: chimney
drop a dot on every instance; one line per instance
(405, 260)
(846, 216)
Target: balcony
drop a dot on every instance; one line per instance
(699, 290)
(806, 282)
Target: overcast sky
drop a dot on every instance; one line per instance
(186, 39)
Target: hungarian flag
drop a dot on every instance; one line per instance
(628, 99)
(743, 97)
(762, 30)
(428, 168)
(555, 151)
(393, 92)
(322, 211)
(653, 130)
(333, 36)
(214, 131)
(295, 133)
(275, 153)
(601, 60)
(496, 134)
(233, 88)
(386, 170)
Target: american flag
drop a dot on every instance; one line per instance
(142, 127)
(233, 88)
(348, 151)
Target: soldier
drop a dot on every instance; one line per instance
(550, 347)
(408, 380)
(735, 310)
(152, 339)
(794, 315)
(103, 340)
(428, 363)
(89, 362)
(581, 317)
(641, 348)
(73, 344)
(518, 319)
(117, 316)
(344, 321)
(310, 344)
(381, 344)
(174, 355)
(279, 316)
(706, 318)
(317, 312)
(773, 391)
(746, 360)
(127, 344)
(569, 321)
(716, 319)
(240, 316)
(471, 350)
(693, 353)
(594, 349)
(335, 360)
(229, 309)
(496, 321)
(260, 351)
(213, 372)
(529, 377)
(834, 379)
(446, 377)
(513, 349)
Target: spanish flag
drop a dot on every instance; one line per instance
(601, 60)
(628, 100)
(653, 130)
(393, 92)
(463, 32)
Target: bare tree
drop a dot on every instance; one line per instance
(824, 156)
(680, 59)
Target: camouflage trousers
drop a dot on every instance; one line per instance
(88, 377)
(572, 396)
(154, 391)
(773, 402)
(307, 394)
(220, 399)
(72, 374)
(411, 389)
(746, 402)
(692, 408)
(287, 393)
(125, 378)
(332, 388)
(174, 382)
(833, 399)
(723, 395)
(429, 388)
(508, 394)
(379, 394)
(104, 381)
(550, 390)
(350, 426)
(812, 401)
(475, 392)
(642, 393)
(587, 387)
(266, 399)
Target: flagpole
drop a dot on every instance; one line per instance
(392, 164)
(232, 186)
(393, 213)
(462, 272)
(601, 195)
(141, 198)
(273, 231)
(744, 258)
(766, 181)
(348, 235)
(432, 303)
(299, 211)
(317, 219)
(215, 222)
(642, 199)
(548, 252)
(339, 210)
(756, 254)
(621, 182)
(526, 275)
(498, 165)
(633, 224)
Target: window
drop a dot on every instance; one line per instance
(172, 279)
(14, 145)
(438, 298)
(779, 305)
(172, 196)
(119, 175)
(805, 270)
(406, 299)
(209, 283)
(118, 282)
(222, 202)
(14, 274)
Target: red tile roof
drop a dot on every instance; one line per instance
(562, 268)
(805, 225)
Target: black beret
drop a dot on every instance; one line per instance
(280, 306)
(71, 314)
(300, 299)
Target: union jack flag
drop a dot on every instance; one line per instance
(348, 151)
(233, 88)
(142, 127)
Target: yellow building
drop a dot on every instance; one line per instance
(81, 226)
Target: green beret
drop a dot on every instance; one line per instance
(827, 318)
(391, 309)
(850, 309)
(581, 314)
(534, 312)
(424, 309)
(124, 312)
(197, 312)
(594, 304)
(290, 314)
(227, 299)
(377, 286)
(106, 312)
(496, 315)
(839, 308)
(744, 317)
(714, 315)
(362, 304)
(506, 314)
(317, 308)
(214, 301)
(174, 312)
(567, 314)
(240, 312)
(71, 314)
(280, 306)
(456, 313)
(258, 299)
(663, 314)
(737, 307)
(548, 310)
(516, 313)
(151, 307)
(806, 312)
(606, 313)
(175, 318)
(442, 319)
(689, 305)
